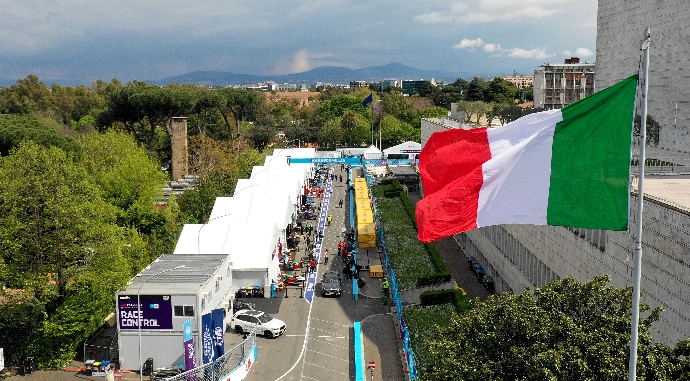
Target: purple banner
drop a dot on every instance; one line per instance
(218, 331)
(189, 353)
(155, 312)
(207, 338)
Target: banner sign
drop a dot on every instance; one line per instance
(324, 160)
(311, 278)
(207, 338)
(155, 312)
(410, 151)
(218, 331)
(189, 354)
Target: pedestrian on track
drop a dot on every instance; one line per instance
(325, 257)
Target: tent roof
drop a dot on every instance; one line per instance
(372, 149)
(403, 146)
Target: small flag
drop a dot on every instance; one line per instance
(369, 99)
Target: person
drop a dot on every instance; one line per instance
(329, 219)
(342, 231)
(340, 204)
(341, 178)
(386, 286)
(325, 257)
(312, 265)
(347, 272)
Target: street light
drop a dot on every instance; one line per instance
(139, 318)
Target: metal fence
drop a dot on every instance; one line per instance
(223, 366)
(395, 294)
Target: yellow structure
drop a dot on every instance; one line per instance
(366, 228)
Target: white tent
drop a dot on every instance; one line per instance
(409, 149)
(372, 153)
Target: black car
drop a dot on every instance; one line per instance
(240, 305)
(331, 284)
(165, 374)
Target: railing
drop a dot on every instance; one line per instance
(395, 294)
(237, 360)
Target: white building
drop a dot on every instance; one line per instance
(558, 85)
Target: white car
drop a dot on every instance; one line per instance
(258, 322)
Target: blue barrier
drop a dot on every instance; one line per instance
(360, 370)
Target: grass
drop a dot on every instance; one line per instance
(421, 323)
(407, 255)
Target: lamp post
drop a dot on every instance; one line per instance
(139, 317)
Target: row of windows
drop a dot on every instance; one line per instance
(182, 311)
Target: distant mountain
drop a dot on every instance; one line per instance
(328, 74)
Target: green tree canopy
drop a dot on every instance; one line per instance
(15, 129)
(127, 177)
(564, 330)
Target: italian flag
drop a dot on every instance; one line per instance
(565, 167)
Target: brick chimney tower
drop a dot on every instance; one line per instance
(178, 145)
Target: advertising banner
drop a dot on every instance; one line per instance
(189, 354)
(156, 312)
(207, 338)
(218, 330)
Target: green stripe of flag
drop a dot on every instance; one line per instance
(590, 162)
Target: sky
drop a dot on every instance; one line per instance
(83, 40)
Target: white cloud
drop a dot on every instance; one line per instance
(567, 53)
(490, 48)
(300, 62)
(534, 54)
(466, 43)
(583, 52)
(484, 11)
(433, 18)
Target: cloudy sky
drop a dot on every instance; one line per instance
(83, 40)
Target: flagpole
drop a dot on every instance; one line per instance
(632, 372)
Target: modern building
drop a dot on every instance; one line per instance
(558, 85)
(520, 81)
(414, 87)
(620, 26)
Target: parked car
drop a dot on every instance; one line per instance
(238, 305)
(471, 261)
(331, 284)
(258, 322)
(165, 374)
(478, 271)
(488, 282)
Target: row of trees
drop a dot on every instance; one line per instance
(79, 218)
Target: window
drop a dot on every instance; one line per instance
(181, 311)
(217, 284)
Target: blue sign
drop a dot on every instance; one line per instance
(324, 160)
(311, 279)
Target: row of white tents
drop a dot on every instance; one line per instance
(250, 226)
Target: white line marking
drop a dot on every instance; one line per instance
(335, 345)
(335, 357)
(323, 367)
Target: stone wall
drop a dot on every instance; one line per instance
(520, 256)
(620, 26)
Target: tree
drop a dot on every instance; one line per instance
(349, 122)
(331, 134)
(15, 129)
(261, 136)
(26, 96)
(394, 132)
(398, 105)
(563, 330)
(128, 178)
(476, 90)
(500, 91)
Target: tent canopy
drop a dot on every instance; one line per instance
(401, 149)
(372, 153)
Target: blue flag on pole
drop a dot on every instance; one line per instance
(218, 316)
(369, 99)
(207, 346)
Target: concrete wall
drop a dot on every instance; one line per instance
(620, 26)
(520, 256)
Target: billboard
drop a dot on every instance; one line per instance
(156, 312)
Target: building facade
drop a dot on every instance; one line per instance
(558, 85)
(620, 25)
(520, 81)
